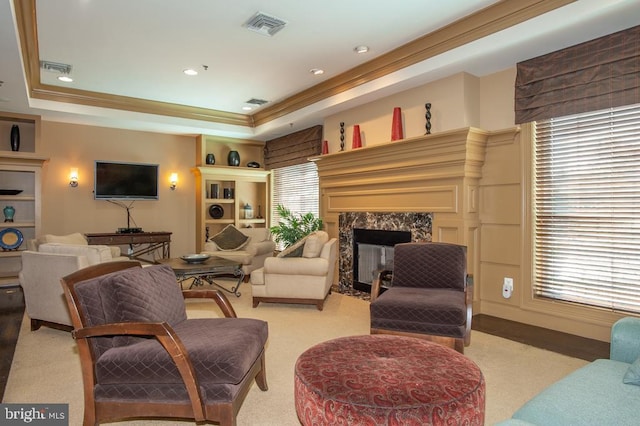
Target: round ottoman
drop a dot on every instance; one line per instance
(387, 380)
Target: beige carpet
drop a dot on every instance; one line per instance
(46, 368)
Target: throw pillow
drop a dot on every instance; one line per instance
(294, 250)
(632, 376)
(315, 241)
(230, 238)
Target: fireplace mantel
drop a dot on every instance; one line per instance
(436, 173)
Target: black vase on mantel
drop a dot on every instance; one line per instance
(234, 158)
(210, 159)
(15, 138)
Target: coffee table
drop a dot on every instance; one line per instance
(206, 272)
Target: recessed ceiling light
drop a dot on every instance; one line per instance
(316, 71)
(65, 78)
(247, 108)
(361, 49)
(190, 71)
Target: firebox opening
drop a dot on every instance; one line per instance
(372, 252)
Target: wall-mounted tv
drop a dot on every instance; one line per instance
(125, 181)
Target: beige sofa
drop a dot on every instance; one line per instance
(42, 270)
(252, 255)
(305, 279)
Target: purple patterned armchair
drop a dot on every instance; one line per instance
(142, 357)
(430, 295)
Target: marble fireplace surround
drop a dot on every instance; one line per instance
(419, 224)
(437, 175)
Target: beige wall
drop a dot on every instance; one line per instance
(66, 209)
(459, 101)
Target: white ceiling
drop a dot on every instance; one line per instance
(140, 48)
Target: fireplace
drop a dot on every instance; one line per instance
(372, 252)
(367, 240)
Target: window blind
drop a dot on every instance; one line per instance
(297, 188)
(587, 209)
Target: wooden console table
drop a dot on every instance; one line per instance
(148, 242)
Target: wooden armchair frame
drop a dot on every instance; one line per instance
(96, 411)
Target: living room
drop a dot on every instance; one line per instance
(498, 233)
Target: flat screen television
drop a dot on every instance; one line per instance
(125, 181)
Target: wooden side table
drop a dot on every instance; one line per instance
(146, 242)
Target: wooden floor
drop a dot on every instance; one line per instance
(12, 311)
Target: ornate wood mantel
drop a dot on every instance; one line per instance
(435, 173)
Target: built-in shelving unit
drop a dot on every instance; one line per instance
(244, 185)
(19, 171)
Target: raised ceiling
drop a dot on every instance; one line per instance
(128, 57)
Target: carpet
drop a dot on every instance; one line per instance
(46, 368)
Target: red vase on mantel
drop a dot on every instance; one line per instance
(396, 125)
(325, 147)
(357, 139)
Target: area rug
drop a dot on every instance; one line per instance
(46, 367)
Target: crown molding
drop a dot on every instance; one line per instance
(494, 18)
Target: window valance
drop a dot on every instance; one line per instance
(293, 149)
(597, 74)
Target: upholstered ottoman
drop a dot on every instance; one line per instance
(387, 380)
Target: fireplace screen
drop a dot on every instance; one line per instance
(372, 252)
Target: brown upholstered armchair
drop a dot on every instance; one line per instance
(142, 357)
(430, 295)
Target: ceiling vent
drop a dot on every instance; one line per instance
(264, 24)
(55, 67)
(254, 101)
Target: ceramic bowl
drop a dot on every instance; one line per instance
(195, 258)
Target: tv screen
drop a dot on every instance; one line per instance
(125, 181)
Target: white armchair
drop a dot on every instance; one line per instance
(40, 279)
(304, 279)
(252, 255)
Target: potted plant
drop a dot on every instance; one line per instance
(293, 226)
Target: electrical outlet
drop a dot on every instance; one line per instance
(507, 287)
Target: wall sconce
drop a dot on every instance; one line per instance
(173, 179)
(73, 177)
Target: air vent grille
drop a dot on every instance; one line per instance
(264, 24)
(55, 67)
(254, 101)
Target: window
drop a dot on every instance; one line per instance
(587, 209)
(297, 188)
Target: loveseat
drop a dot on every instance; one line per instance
(44, 263)
(301, 274)
(604, 392)
(251, 252)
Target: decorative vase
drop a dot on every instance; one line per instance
(215, 190)
(8, 211)
(357, 139)
(325, 147)
(234, 158)
(210, 159)
(15, 138)
(396, 125)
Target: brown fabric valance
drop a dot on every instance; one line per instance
(293, 149)
(590, 76)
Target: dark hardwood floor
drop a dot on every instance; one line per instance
(12, 311)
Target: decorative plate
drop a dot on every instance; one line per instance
(10, 191)
(195, 258)
(216, 211)
(10, 238)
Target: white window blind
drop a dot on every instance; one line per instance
(587, 209)
(296, 188)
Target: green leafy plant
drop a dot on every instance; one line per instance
(293, 226)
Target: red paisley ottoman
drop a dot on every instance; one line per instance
(387, 380)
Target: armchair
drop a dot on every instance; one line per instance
(40, 279)
(302, 279)
(430, 295)
(141, 357)
(252, 255)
